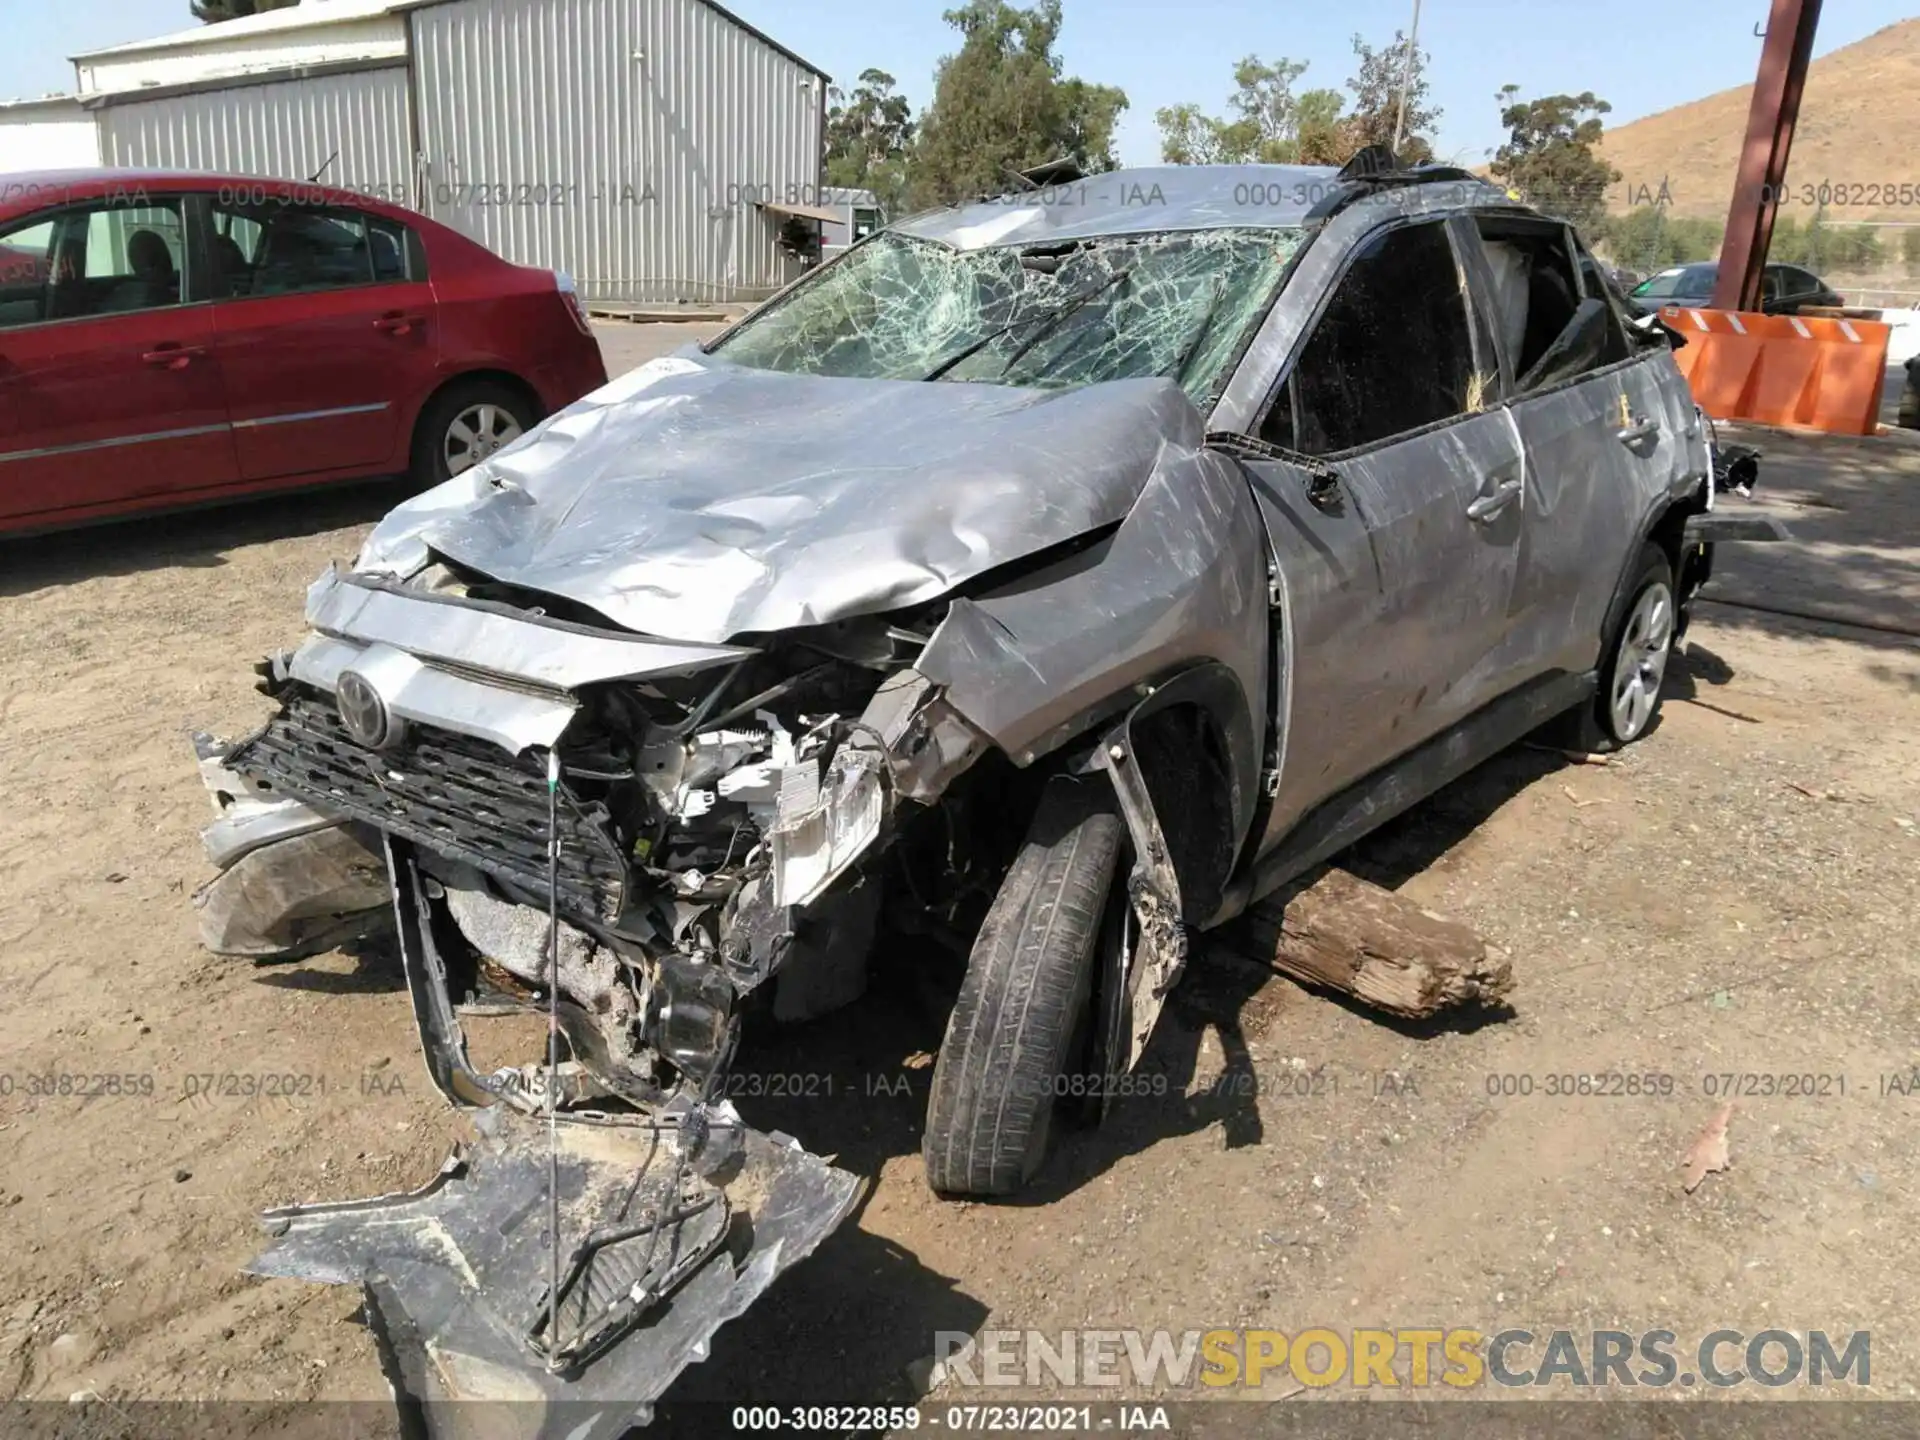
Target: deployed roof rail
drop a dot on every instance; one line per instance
(1064, 171)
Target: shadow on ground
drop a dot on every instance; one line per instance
(197, 538)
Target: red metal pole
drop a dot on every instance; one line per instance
(1763, 157)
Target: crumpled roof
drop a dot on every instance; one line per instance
(697, 500)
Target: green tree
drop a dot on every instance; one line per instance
(869, 134)
(1269, 123)
(1549, 154)
(1648, 238)
(1324, 136)
(1189, 136)
(1378, 79)
(213, 12)
(1910, 249)
(1001, 105)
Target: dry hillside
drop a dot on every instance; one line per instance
(1850, 136)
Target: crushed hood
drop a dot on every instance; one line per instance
(698, 500)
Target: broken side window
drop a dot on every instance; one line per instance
(1536, 288)
(1391, 353)
(1595, 285)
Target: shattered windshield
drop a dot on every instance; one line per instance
(1126, 307)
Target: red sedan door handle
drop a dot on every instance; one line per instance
(173, 357)
(396, 323)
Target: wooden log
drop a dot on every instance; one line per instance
(1342, 933)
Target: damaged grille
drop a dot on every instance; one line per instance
(465, 799)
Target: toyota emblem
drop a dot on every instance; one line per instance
(364, 712)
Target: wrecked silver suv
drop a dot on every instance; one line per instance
(1048, 578)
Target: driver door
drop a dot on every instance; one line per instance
(1398, 561)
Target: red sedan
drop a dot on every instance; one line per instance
(168, 339)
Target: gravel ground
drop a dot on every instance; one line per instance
(1732, 897)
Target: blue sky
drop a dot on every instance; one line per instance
(1643, 55)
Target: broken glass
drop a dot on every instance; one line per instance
(900, 308)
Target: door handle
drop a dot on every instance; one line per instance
(1636, 432)
(1485, 507)
(173, 357)
(398, 324)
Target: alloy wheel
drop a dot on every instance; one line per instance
(1642, 663)
(476, 433)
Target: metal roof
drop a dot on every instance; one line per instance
(312, 14)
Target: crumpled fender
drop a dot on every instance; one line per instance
(1182, 581)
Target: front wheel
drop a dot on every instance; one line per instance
(1008, 1056)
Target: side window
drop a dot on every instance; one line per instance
(289, 250)
(1535, 285)
(1595, 285)
(26, 263)
(388, 242)
(865, 222)
(92, 260)
(1391, 353)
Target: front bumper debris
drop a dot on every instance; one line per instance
(669, 1231)
(673, 1219)
(292, 881)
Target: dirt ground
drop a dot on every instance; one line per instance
(1734, 895)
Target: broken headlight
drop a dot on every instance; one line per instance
(825, 822)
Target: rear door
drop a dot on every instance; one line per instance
(328, 334)
(109, 390)
(1584, 439)
(1399, 559)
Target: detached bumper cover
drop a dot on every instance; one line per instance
(456, 1274)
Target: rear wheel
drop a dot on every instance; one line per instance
(1635, 662)
(465, 424)
(1009, 1052)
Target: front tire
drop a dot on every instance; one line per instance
(1008, 1048)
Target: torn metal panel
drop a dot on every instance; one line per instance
(493, 638)
(1183, 579)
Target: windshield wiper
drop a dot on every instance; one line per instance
(1192, 347)
(1047, 318)
(1048, 325)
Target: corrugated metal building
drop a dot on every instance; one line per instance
(46, 134)
(651, 148)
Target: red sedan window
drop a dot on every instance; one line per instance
(84, 261)
(289, 250)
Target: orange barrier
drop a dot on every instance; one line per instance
(1805, 372)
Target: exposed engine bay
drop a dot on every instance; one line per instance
(698, 815)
